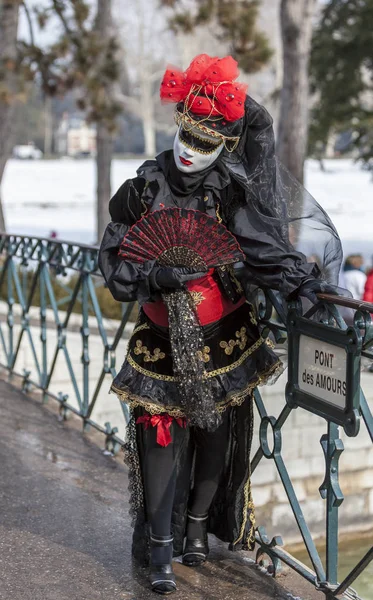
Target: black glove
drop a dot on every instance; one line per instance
(311, 287)
(172, 277)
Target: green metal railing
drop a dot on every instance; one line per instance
(36, 267)
(359, 336)
(33, 267)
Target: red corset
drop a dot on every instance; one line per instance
(211, 304)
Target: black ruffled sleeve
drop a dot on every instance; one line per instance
(270, 263)
(127, 281)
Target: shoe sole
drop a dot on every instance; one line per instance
(164, 592)
(194, 563)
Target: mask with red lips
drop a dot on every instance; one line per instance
(195, 151)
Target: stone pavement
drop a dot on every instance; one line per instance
(64, 527)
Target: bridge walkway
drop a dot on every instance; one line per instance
(64, 526)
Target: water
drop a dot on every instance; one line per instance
(351, 553)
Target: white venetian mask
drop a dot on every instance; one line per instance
(195, 151)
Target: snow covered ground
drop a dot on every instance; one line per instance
(41, 196)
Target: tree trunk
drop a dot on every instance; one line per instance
(104, 26)
(148, 120)
(48, 126)
(332, 138)
(296, 29)
(145, 68)
(103, 162)
(9, 10)
(149, 137)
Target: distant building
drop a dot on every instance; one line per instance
(74, 137)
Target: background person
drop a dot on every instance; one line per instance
(354, 276)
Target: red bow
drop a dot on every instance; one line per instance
(163, 424)
(209, 84)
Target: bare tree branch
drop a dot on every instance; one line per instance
(29, 22)
(60, 13)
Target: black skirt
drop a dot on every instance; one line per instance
(236, 356)
(237, 360)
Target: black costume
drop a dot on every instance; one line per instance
(255, 199)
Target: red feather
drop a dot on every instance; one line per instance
(204, 68)
(174, 86)
(209, 82)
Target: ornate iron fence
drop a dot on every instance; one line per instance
(360, 333)
(33, 268)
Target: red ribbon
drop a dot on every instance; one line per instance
(162, 423)
(210, 86)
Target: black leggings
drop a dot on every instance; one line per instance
(160, 473)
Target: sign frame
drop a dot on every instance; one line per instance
(350, 340)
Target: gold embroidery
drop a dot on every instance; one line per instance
(217, 210)
(184, 118)
(232, 399)
(148, 357)
(248, 504)
(143, 371)
(240, 342)
(239, 361)
(270, 343)
(237, 398)
(197, 297)
(196, 149)
(183, 256)
(204, 355)
(209, 374)
(276, 368)
(253, 319)
(140, 328)
(154, 409)
(233, 277)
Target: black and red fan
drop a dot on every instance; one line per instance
(177, 237)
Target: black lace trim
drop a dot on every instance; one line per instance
(131, 459)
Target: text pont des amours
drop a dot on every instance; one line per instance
(322, 370)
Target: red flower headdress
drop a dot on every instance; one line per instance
(207, 87)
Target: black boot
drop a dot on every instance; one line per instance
(162, 578)
(196, 548)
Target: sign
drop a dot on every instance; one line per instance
(322, 370)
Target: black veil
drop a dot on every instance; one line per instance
(277, 201)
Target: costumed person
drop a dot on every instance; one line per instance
(191, 236)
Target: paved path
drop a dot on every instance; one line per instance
(64, 527)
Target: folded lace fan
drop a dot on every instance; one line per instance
(180, 237)
(176, 237)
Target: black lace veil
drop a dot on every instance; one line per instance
(277, 200)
